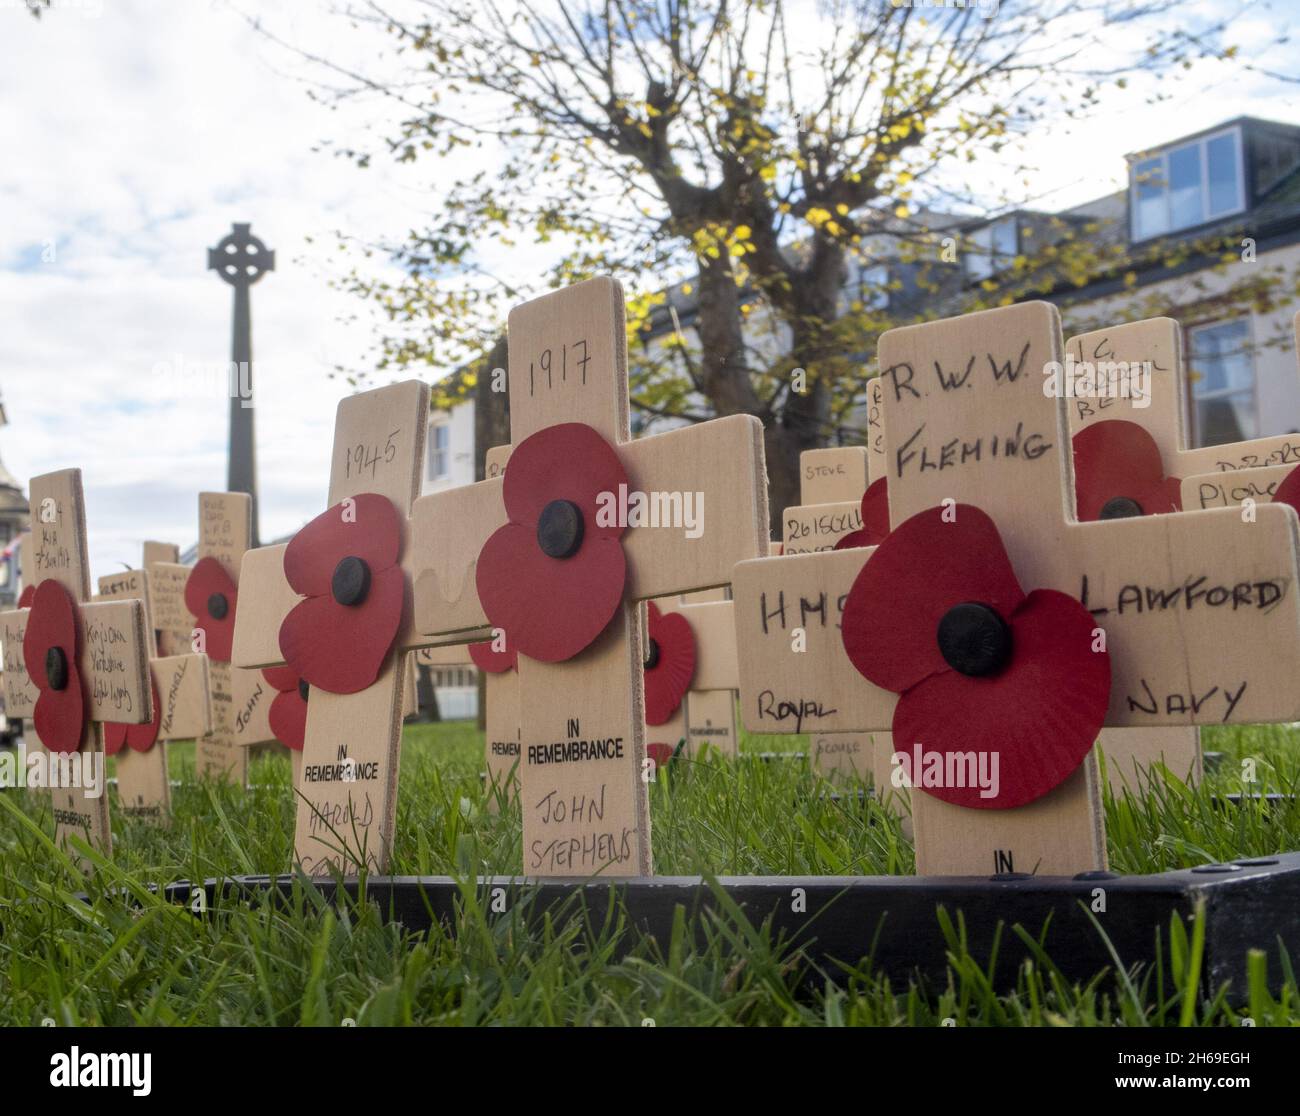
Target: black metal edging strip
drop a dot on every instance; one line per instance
(893, 919)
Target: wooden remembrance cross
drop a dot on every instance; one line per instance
(1155, 345)
(711, 700)
(347, 798)
(1256, 480)
(1199, 611)
(584, 771)
(181, 710)
(831, 486)
(111, 654)
(225, 533)
(1160, 341)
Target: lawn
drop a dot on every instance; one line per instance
(113, 963)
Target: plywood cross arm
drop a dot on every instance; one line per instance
(1201, 612)
(20, 690)
(704, 491)
(714, 627)
(1231, 488)
(833, 476)
(265, 599)
(115, 662)
(184, 689)
(794, 675)
(446, 597)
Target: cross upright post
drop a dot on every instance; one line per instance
(71, 665)
(181, 708)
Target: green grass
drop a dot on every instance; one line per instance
(113, 963)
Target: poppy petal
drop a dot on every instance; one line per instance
(924, 567)
(660, 753)
(668, 680)
(569, 461)
(1116, 458)
(493, 662)
(25, 597)
(59, 715)
(114, 737)
(342, 648)
(552, 608)
(875, 512)
(209, 579)
(281, 678)
(368, 527)
(1037, 718)
(1288, 492)
(288, 719)
(140, 738)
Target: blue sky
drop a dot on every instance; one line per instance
(134, 133)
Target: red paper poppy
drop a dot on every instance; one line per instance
(139, 738)
(1288, 491)
(345, 563)
(211, 595)
(553, 576)
(493, 662)
(937, 616)
(1118, 473)
(662, 754)
(875, 518)
(51, 652)
(25, 597)
(288, 713)
(670, 666)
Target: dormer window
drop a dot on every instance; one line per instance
(994, 248)
(1188, 185)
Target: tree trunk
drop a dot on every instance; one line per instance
(491, 408)
(724, 376)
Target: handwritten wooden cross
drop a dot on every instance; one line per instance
(1199, 612)
(1136, 373)
(585, 806)
(711, 702)
(181, 704)
(71, 665)
(352, 638)
(1124, 357)
(195, 606)
(1255, 482)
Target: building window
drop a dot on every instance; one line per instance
(1222, 383)
(439, 451)
(994, 248)
(1187, 186)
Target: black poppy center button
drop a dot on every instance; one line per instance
(351, 581)
(974, 639)
(559, 529)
